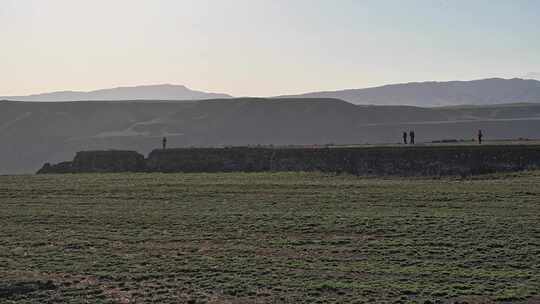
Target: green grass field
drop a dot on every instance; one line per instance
(268, 238)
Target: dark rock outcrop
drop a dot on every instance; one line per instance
(63, 167)
(99, 161)
(379, 161)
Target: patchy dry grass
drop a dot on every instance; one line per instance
(268, 238)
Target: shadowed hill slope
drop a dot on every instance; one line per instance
(34, 133)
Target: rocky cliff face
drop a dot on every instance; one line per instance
(99, 161)
(380, 161)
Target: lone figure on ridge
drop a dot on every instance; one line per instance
(164, 143)
(480, 135)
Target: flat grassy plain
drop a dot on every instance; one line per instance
(269, 238)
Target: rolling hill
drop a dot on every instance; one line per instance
(32, 133)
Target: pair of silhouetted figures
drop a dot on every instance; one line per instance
(411, 137)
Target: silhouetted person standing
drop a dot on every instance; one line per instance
(405, 137)
(480, 136)
(411, 136)
(164, 143)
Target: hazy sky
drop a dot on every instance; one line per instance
(262, 47)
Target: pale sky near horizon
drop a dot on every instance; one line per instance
(262, 47)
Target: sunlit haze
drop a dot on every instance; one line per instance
(262, 47)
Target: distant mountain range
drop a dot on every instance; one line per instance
(32, 133)
(422, 94)
(147, 92)
(431, 94)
